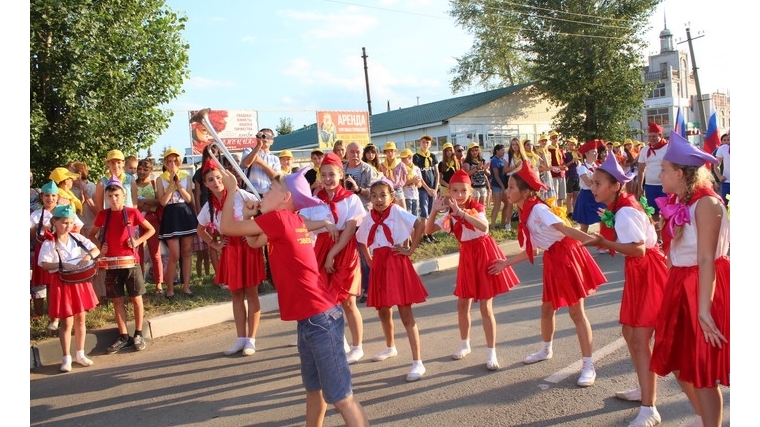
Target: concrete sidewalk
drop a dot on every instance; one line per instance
(49, 352)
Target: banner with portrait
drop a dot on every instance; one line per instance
(236, 128)
(344, 125)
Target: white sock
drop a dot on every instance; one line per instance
(546, 345)
(357, 347)
(242, 340)
(252, 341)
(416, 363)
(80, 354)
(66, 360)
(466, 343)
(492, 353)
(588, 361)
(393, 348)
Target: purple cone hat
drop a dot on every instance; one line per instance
(300, 190)
(115, 181)
(612, 167)
(682, 152)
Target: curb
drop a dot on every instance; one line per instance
(96, 341)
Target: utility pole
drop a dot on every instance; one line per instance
(366, 81)
(702, 121)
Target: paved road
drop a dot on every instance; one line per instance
(183, 379)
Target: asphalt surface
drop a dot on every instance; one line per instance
(183, 378)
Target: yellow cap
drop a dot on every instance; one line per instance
(543, 136)
(286, 153)
(390, 145)
(472, 145)
(62, 174)
(572, 139)
(114, 154)
(447, 145)
(553, 133)
(170, 151)
(406, 153)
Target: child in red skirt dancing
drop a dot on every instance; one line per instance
(337, 253)
(66, 301)
(466, 220)
(692, 337)
(393, 280)
(627, 228)
(570, 273)
(240, 267)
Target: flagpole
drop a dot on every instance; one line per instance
(703, 122)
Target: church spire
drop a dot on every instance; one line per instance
(666, 38)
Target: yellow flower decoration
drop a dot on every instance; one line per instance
(560, 211)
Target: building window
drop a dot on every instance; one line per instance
(658, 91)
(661, 116)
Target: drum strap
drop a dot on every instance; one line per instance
(126, 223)
(60, 263)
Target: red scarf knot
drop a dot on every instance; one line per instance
(379, 221)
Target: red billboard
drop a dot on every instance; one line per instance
(236, 128)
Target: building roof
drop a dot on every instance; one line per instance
(433, 113)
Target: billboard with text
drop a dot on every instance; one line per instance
(344, 125)
(236, 128)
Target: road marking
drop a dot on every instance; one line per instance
(576, 367)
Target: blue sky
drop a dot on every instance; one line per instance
(290, 58)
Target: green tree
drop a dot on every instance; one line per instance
(285, 127)
(584, 57)
(100, 70)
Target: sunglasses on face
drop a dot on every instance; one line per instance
(264, 136)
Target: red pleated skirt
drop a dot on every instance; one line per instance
(393, 281)
(66, 300)
(679, 343)
(240, 266)
(347, 279)
(473, 279)
(40, 276)
(570, 273)
(645, 279)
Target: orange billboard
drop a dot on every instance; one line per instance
(236, 128)
(344, 125)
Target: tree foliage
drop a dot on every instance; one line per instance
(285, 127)
(100, 70)
(584, 57)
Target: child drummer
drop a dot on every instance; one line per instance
(117, 241)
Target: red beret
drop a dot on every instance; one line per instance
(209, 165)
(590, 145)
(655, 128)
(530, 177)
(460, 176)
(332, 159)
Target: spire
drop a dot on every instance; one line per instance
(666, 37)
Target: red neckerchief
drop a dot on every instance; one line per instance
(459, 223)
(653, 148)
(523, 233)
(624, 200)
(340, 194)
(379, 221)
(218, 206)
(697, 194)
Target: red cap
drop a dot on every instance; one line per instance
(209, 165)
(530, 177)
(332, 159)
(655, 128)
(590, 145)
(460, 176)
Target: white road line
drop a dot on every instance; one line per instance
(576, 367)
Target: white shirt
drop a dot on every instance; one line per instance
(683, 252)
(34, 219)
(467, 234)
(633, 225)
(348, 209)
(724, 153)
(588, 170)
(71, 252)
(653, 164)
(540, 222)
(399, 221)
(241, 196)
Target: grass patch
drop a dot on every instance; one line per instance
(207, 293)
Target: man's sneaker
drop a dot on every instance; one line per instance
(120, 344)
(538, 356)
(388, 352)
(632, 395)
(588, 376)
(354, 355)
(139, 342)
(648, 417)
(236, 348)
(249, 348)
(416, 373)
(461, 353)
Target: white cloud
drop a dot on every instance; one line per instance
(248, 39)
(204, 83)
(345, 23)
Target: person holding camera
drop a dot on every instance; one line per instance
(359, 175)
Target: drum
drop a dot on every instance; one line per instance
(114, 262)
(82, 274)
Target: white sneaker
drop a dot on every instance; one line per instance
(346, 347)
(354, 355)
(237, 347)
(632, 395)
(648, 417)
(84, 361)
(493, 364)
(588, 376)
(66, 364)
(538, 356)
(388, 352)
(508, 227)
(694, 422)
(416, 373)
(53, 326)
(461, 353)
(249, 349)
